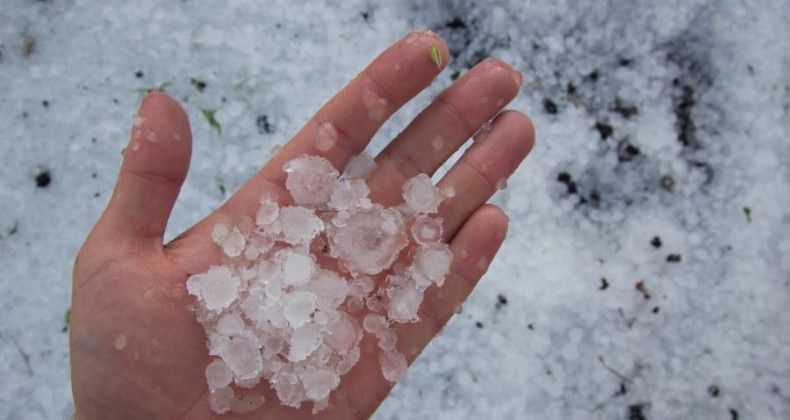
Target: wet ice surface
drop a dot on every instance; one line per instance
(280, 316)
(699, 87)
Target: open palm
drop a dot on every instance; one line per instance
(137, 351)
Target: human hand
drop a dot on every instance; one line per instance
(137, 351)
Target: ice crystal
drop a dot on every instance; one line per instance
(316, 275)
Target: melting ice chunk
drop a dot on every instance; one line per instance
(217, 288)
(482, 133)
(433, 263)
(374, 323)
(304, 341)
(296, 268)
(330, 288)
(342, 334)
(230, 240)
(218, 375)
(350, 193)
(318, 383)
(221, 400)
(361, 286)
(310, 180)
(267, 212)
(393, 365)
(289, 389)
(426, 230)
(404, 301)
(420, 194)
(369, 241)
(242, 357)
(448, 192)
(359, 166)
(298, 307)
(387, 339)
(219, 232)
(299, 224)
(261, 242)
(230, 324)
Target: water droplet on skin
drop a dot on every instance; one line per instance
(464, 254)
(518, 77)
(276, 149)
(501, 184)
(120, 342)
(150, 135)
(482, 133)
(326, 137)
(176, 136)
(135, 146)
(459, 309)
(483, 264)
(448, 192)
(375, 104)
(437, 143)
(137, 121)
(500, 102)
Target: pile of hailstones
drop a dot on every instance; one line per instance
(285, 307)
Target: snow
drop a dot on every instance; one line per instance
(722, 309)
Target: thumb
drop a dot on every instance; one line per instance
(154, 166)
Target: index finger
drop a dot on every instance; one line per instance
(344, 126)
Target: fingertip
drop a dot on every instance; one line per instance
(165, 114)
(161, 137)
(431, 45)
(521, 126)
(496, 219)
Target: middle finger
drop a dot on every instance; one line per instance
(441, 128)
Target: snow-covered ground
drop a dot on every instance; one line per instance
(645, 274)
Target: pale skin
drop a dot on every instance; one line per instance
(128, 283)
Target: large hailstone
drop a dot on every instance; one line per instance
(420, 194)
(310, 180)
(369, 240)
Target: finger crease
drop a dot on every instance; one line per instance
(405, 165)
(343, 140)
(479, 171)
(379, 88)
(155, 178)
(454, 113)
